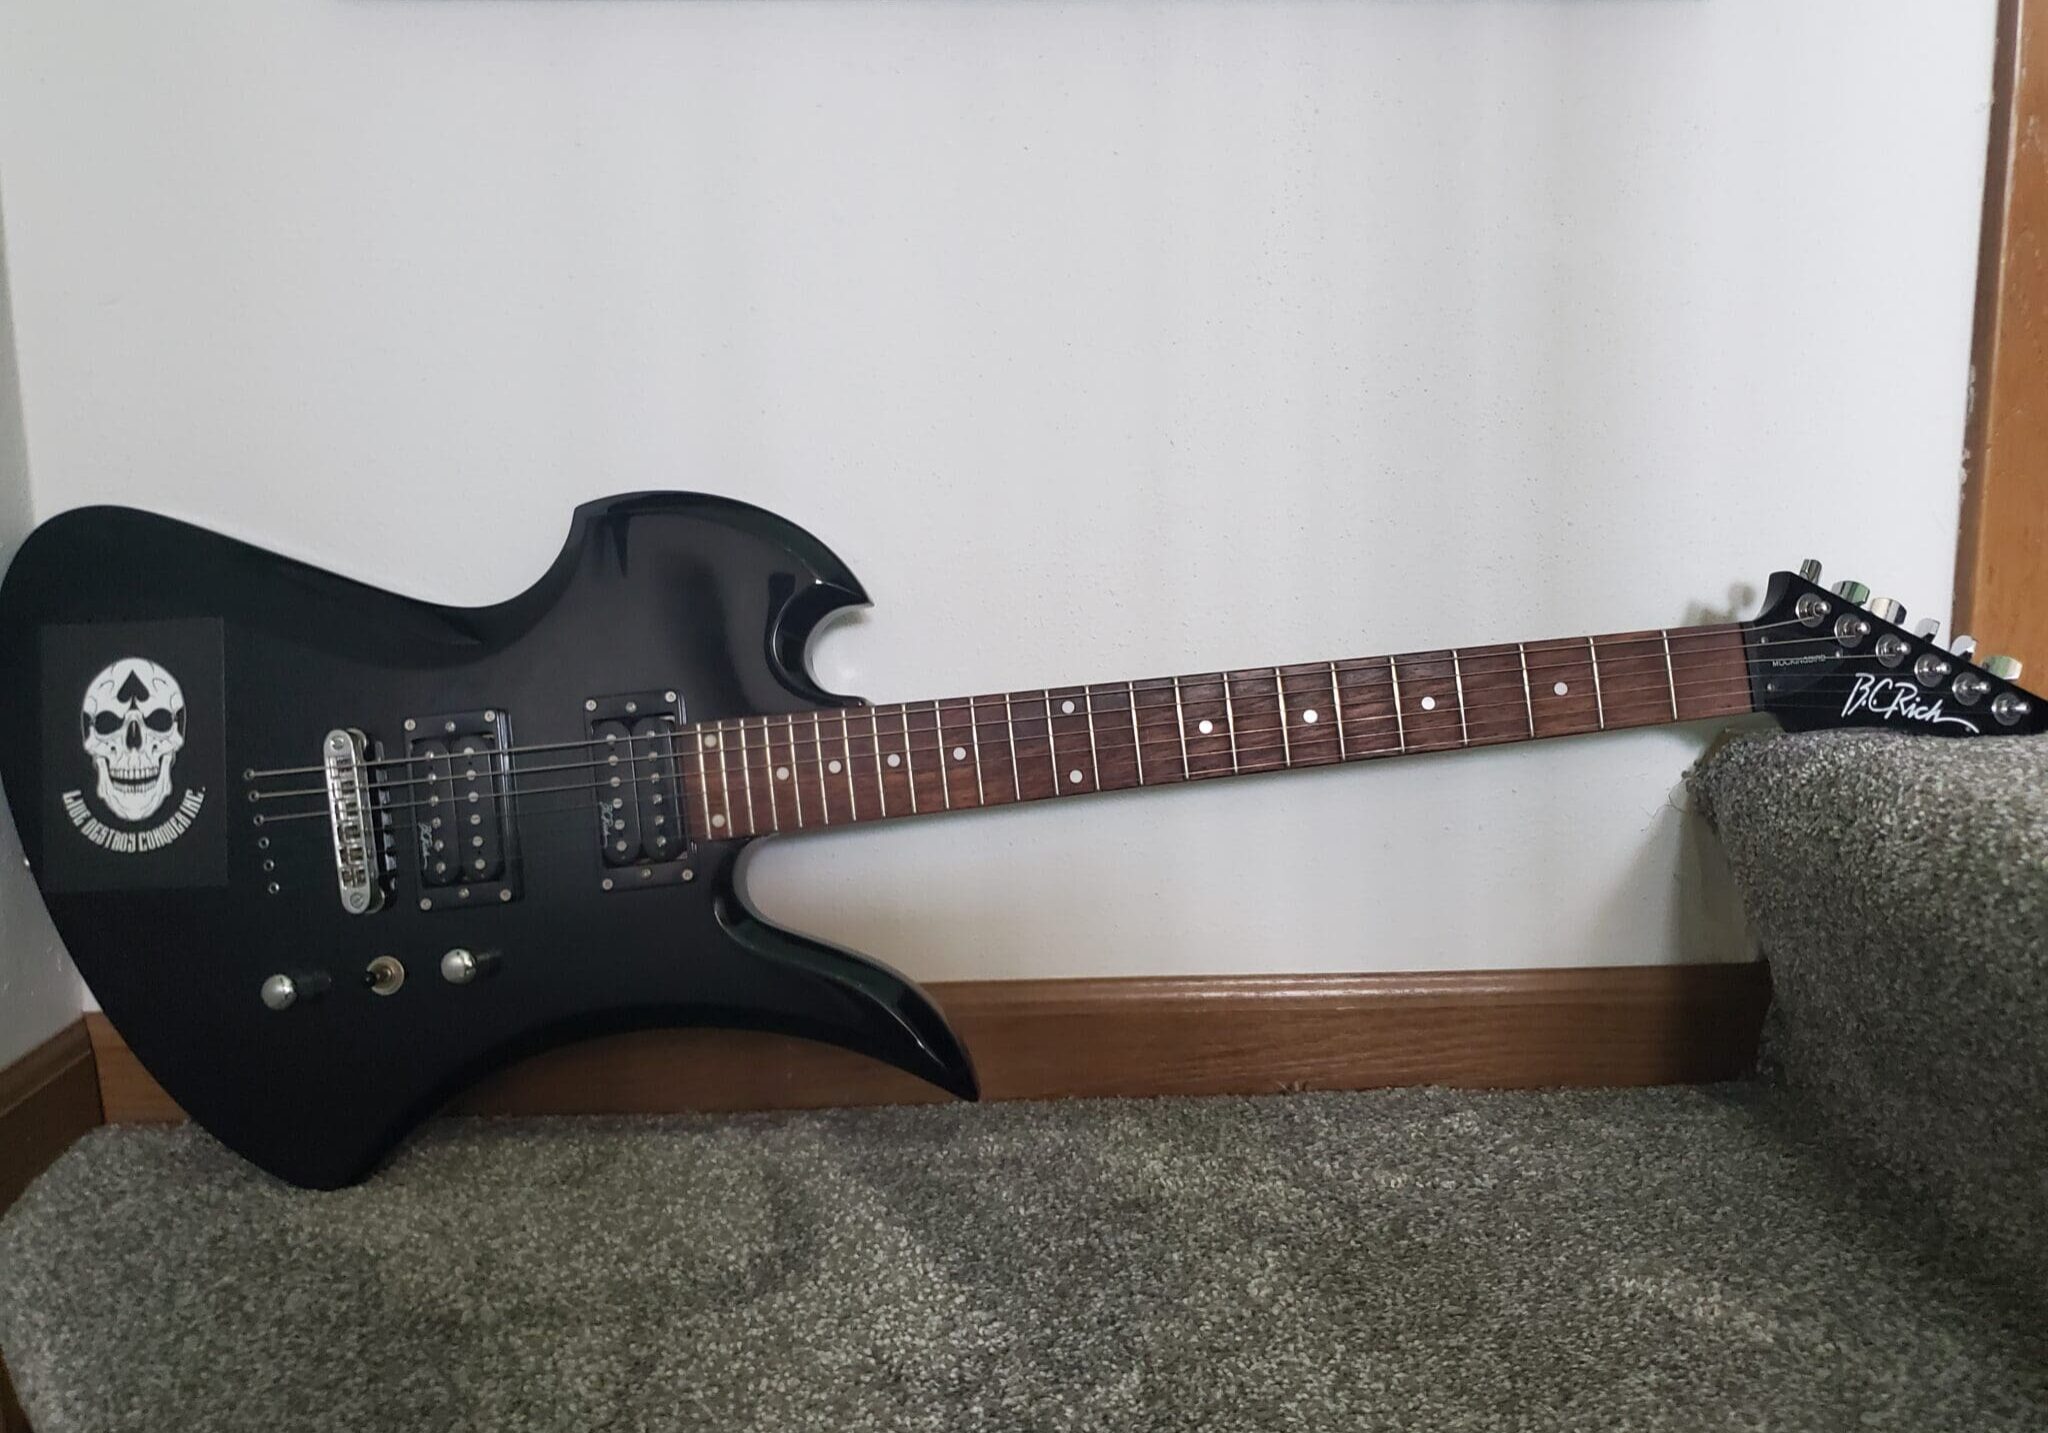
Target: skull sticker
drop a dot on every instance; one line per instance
(132, 722)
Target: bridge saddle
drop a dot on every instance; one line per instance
(349, 814)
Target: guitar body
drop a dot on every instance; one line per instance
(156, 673)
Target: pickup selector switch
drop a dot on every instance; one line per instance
(384, 975)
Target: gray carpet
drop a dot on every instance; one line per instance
(1843, 1246)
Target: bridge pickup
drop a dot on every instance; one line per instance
(639, 795)
(459, 785)
(344, 764)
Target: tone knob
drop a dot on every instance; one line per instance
(1926, 627)
(460, 967)
(1886, 610)
(1810, 571)
(1964, 647)
(1850, 590)
(2006, 669)
(282, 991)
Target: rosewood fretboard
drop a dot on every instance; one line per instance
(761, 775)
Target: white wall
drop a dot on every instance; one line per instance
(1103, 340)
(39, 993)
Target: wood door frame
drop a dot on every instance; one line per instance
(2001, 576)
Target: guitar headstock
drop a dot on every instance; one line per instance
(1837, 657)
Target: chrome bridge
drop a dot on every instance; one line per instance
(344, 764)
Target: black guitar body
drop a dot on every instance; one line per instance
(167, 691)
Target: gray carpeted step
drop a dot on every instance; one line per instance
(1853, 1245)
(1899, 887)
(1640, 1260)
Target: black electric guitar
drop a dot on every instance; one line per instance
(325, 855)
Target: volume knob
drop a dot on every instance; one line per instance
(460, 967)
(1849, 590)
(2006, 669)
(280, 992)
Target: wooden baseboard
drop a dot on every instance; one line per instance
(1196, 1035)
(48, 1098)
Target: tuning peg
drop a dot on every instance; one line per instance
(1926, 627)
(1964, 647)
(1850, 590)
(2006, 669)
(1886, 610)
(1810, 571)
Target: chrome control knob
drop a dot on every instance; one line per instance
(1926, 627)
(1964, 647)
(1810, 570)
(1887, 610)
(461, 967)
(1850, 590)
(282, 992)
(2006, 669)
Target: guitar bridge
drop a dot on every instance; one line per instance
(342, 762)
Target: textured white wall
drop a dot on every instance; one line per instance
(1102, 339)
(39, 993)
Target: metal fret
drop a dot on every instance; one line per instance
(1280, 693)
(846, 764)
(1187, 772)
(724, 780)
(747, 777)
(818, 741)
(1528, 701)
(1458, 676)
(1052, 747)
(1599, 701)
(881, 786)
(1137, 742)
(939, 735)
(1670, 676)
(1016, 771)
(909, 765)
(1230, 721)
(796, 782)
(703, 780)
(974, 740)
(1337, 706)
(1088, 710)
(1400, 726)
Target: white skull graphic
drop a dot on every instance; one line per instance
(133, 722)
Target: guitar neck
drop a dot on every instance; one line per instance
(760, 775)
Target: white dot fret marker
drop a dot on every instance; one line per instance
(1205, 726)
(1309, 715)
(782, 773)
(1067, 708)
(1562, 687)
(959, 753)
(711, 743)
(1429, 704)
(833, 767)
(1075, 776)
(716, 822)
(894, 759)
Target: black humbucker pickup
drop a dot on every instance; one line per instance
(637, 787)
(459, 789)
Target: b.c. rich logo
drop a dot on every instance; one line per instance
(132, 727)
(1891, 697)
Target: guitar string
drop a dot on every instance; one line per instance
(801, 744)
(1544, 645)
(497, 764)
(798, 747)
(910, 775)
